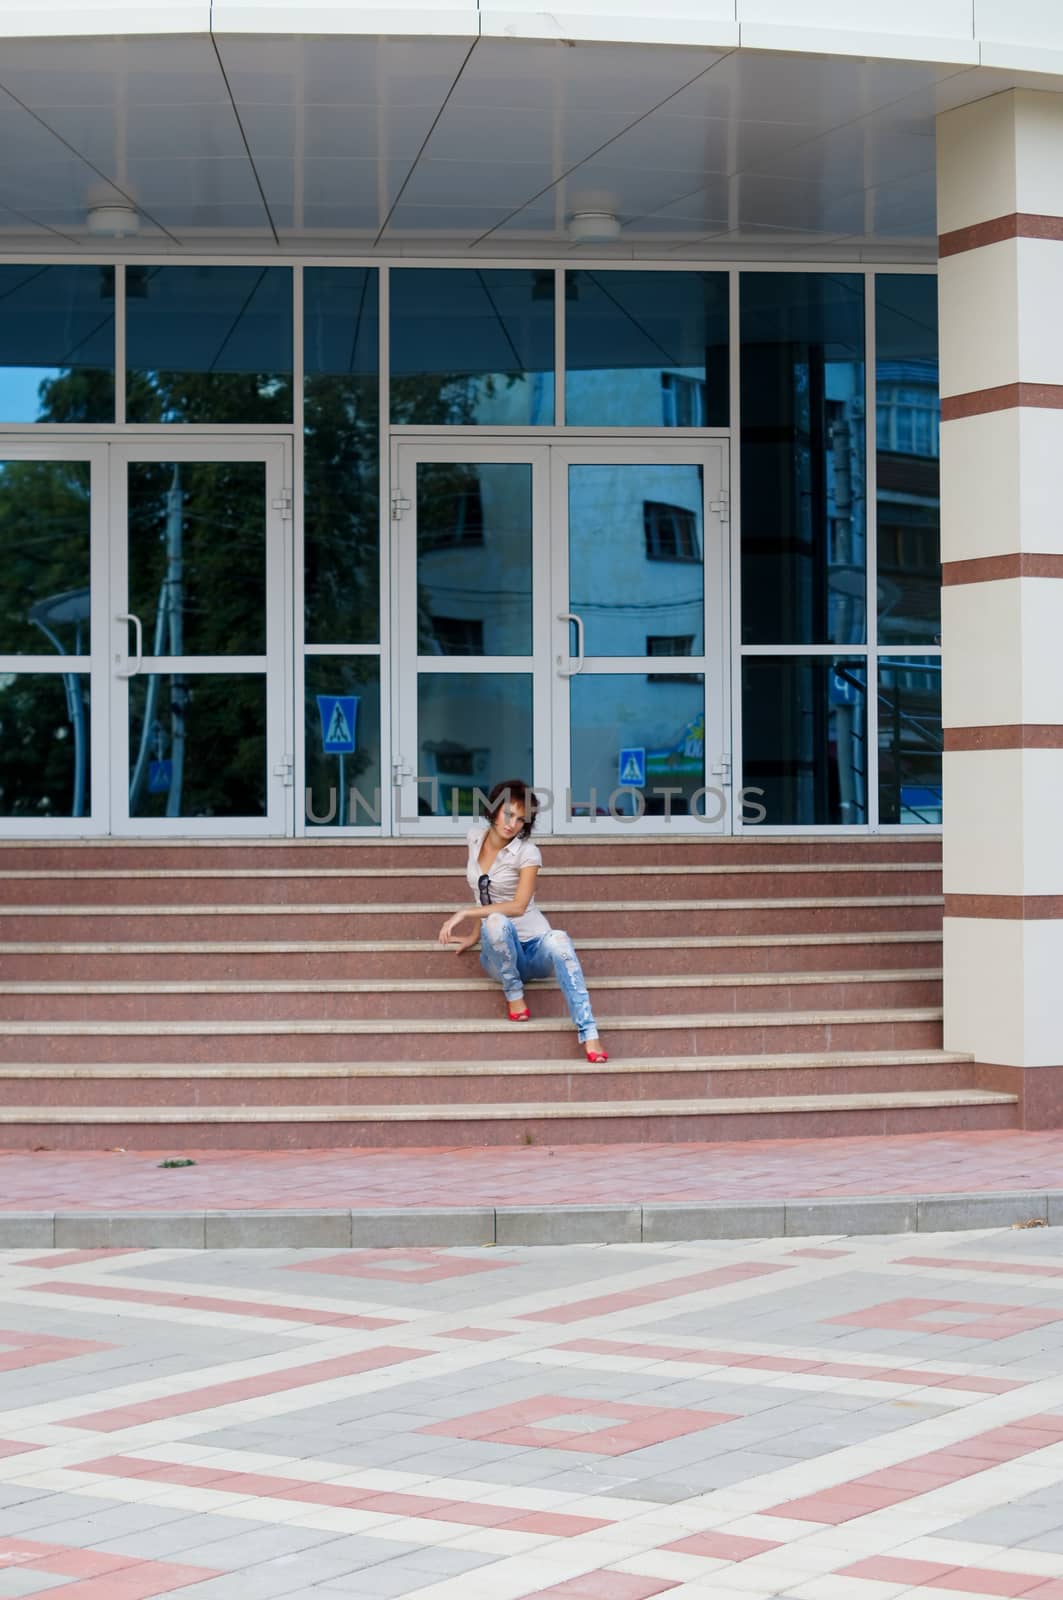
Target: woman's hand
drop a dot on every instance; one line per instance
(448, 934)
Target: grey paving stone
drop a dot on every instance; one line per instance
(441, 1226)
(665, 1223)
(16, 1582)
(849, 1217)
(23, 1230)
(557, 1225)
(266, 1230)
(1051, 1541)
(165, 1230)
(948, 1213)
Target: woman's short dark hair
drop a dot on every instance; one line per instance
(514, 789)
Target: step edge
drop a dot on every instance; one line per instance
(388, 1025)
(101, 988)
(580, 1110)
(797, 1061)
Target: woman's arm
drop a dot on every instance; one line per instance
(508, 908)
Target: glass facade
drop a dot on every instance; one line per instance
(909, 739)
(837, 694)
(209, 344)
(341, 332)
(472, 346)
(471, 728)
(907, 456)
(179, 722)
(56, 344)
(804, 738)
(44, 557)
(342, 790)
(646, 349)
(45, 736)
(804, 536)
(474, 558)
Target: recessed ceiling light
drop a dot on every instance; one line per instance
(593, 227)
(113, 222)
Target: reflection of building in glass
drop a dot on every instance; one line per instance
(909, 559)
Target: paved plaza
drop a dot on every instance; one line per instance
(823, 1419)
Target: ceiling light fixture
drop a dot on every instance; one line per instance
(113, 222)
(593, 227)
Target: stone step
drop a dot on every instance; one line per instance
(894, 1028)
(590, 848)
(264, 959)
(383, 1083)
(396, 999)
(366, 886)
(677, 917)
(543, 1123)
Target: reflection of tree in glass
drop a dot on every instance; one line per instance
(37, 775)
(44, 550)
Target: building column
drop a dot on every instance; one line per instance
(1000, 219)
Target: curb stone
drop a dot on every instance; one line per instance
(443, 1227)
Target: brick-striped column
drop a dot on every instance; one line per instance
(1000, 218)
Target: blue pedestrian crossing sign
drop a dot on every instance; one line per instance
(339, 723)
(631, 768)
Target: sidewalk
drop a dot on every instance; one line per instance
(603, 1194)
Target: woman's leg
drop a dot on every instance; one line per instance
(555, 952)
(499, 950)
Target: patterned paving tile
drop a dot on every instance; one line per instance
(846, 1420)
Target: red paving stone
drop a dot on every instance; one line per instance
(780, 1169)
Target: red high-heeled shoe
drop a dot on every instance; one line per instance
(519, 1016)
(594, 1052)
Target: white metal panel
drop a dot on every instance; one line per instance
(943, 18)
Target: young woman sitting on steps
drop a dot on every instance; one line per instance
(516, 941)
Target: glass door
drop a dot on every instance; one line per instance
(53, 638)
(201, 734)
(641, 701)
(472, 628)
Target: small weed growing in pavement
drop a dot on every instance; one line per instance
(527, 1138)
(177, 1161)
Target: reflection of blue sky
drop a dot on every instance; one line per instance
(20, 399)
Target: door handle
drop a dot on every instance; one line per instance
(577, 659)
(137, 659)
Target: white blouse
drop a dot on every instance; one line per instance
(504, 877)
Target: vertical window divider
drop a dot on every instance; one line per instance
(871, 542)
(734, 542)
(388, 709)
(560, 309)
(298, 688)
(119, 344)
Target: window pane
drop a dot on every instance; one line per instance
(209, 344)
(345, 679)
(342, 455)
(472, 346)
(908, 496)
(646, 349)
(636, 555)
(803, 496)
(909, 739)
(45, 734)
(56, 344)
(179, 725)
(473, 730)
(474, 567)
(665, 719)
(44, 557)
(197, 556)
(804, 738)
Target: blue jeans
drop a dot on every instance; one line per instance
(503, 956)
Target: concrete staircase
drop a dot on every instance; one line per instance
(291, 995)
